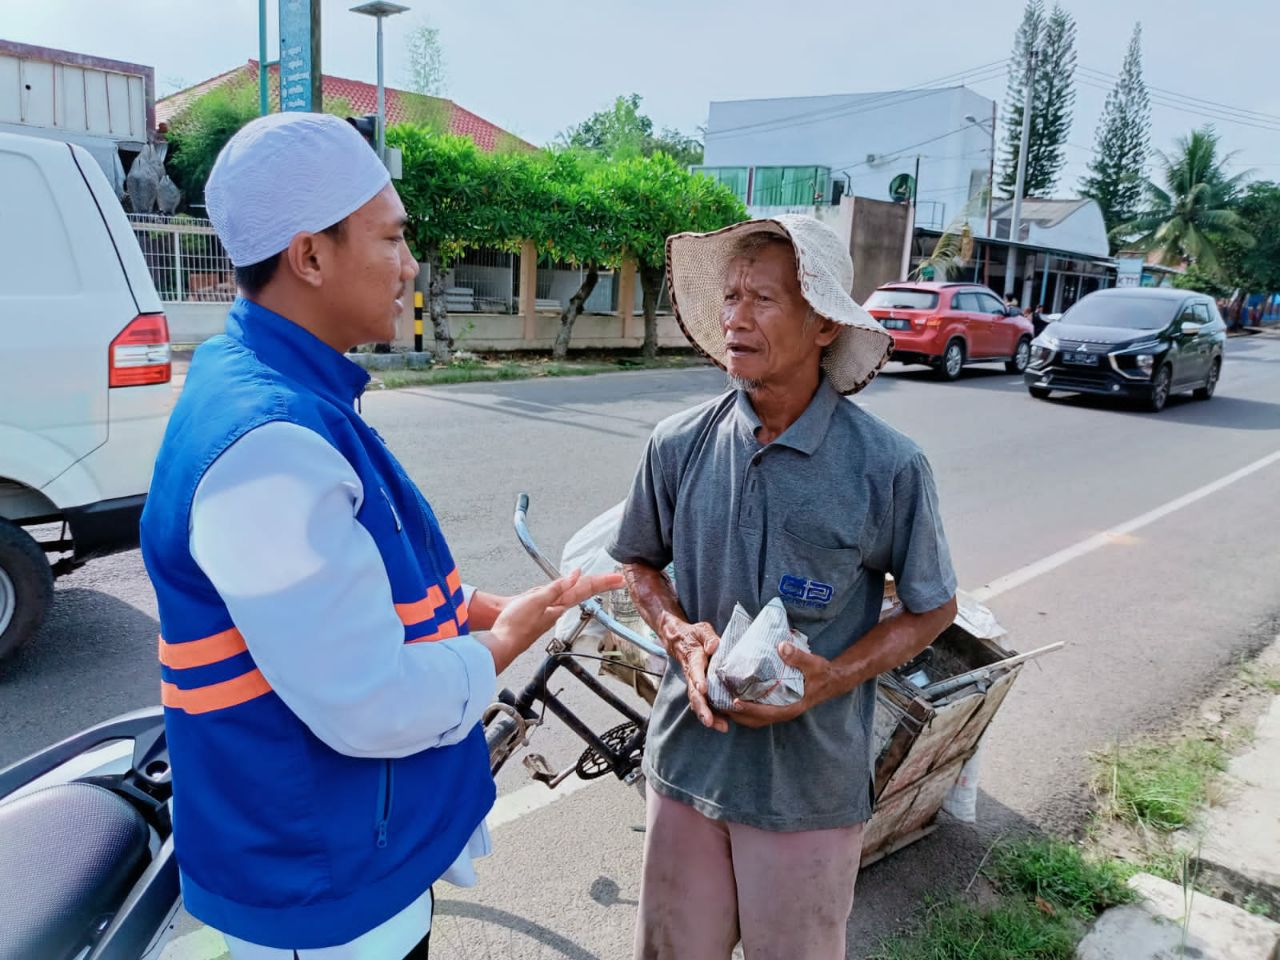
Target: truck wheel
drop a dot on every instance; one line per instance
(26, 587)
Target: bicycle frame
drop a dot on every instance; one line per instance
(616, 751)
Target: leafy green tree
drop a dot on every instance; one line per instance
(1052, 38)
(1192, 215)
(198, 134)
(622, 132)
(1118, 166)
(1255, 267)
(425, 64)
(658, 197)
(444, 192)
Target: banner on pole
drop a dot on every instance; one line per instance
(295, 55)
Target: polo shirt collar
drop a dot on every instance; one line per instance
(297, 353)
(809, 429)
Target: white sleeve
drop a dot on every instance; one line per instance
(273, 527)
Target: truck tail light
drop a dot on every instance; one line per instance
(140, 352)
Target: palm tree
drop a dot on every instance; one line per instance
(1192, 214)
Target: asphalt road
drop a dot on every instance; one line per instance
(1152, 616)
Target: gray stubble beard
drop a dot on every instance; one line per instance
(742, 383)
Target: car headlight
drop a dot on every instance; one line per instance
(1048, 342)
(1145, 362)
(1040, 353)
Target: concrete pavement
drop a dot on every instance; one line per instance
(1152, 618)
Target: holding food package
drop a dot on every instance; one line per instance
(746, 665)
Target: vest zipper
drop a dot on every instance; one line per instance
(386, 783)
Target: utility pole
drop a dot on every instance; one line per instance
(1015, 224)
(263, 102)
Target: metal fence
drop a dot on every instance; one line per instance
(189, 265)
(483, 281)
(186, 259)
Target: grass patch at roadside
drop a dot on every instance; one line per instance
(1159, 786)
(1059, 873)
(482, 370)
(1047, 890)
(958, 930)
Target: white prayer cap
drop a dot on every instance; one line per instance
(285, 174)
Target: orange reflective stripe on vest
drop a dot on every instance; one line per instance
(421, 610)
(201, 653)
(215, 696)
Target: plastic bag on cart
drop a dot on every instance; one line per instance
(587, 550)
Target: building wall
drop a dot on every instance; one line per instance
(878, 233)
(841, 131)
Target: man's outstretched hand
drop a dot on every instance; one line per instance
(529, 615)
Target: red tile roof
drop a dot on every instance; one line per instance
(361, 98)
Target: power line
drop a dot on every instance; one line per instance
(874, 102)
(1256, 114)
(1174, 105)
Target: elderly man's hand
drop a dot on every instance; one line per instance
(821, 683)
(692, 645)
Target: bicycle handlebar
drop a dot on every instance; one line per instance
(590, 607)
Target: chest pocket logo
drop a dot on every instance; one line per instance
(805, 592)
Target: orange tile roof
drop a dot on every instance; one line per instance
(361, 98)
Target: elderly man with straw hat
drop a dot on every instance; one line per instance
(779, 488)
(325, 669)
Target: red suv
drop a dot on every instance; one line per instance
(946, 325)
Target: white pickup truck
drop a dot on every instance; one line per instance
(84, 375)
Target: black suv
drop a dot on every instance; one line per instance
(1137, 343)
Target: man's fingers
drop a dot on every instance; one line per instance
(800, 659)
(583, 587)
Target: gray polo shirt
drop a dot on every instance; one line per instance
(816, 517)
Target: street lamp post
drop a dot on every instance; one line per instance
(379, 10)
(991, 185)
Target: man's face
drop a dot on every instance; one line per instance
(767, 339)
(366, 269)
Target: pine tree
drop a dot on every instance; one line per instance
(1052, 99)
(1118, 166)
(1026, 40)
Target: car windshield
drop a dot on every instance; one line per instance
(901, 299)
(1132, 313)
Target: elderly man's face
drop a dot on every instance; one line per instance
(767, 338)
(366, 268)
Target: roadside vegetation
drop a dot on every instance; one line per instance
(479, 369)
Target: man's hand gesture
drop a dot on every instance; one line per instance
(692, 645)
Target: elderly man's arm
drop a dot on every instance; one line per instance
(689, 644)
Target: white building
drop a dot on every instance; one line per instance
(798, 151)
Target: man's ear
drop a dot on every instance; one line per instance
(304, 257)
(828, 330)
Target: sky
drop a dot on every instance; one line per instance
(535, 67)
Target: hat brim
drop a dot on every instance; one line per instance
(696, 265)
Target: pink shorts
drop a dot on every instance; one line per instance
(709, 884)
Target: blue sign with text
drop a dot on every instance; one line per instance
(295, 55)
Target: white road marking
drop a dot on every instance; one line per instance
(1116, 534)
(514, 805)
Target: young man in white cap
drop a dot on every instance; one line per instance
(321, 681)
(778, 488)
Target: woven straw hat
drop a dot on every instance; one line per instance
(696, 265)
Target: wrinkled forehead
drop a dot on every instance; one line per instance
(769, 263)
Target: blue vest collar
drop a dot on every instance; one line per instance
(297, 353)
